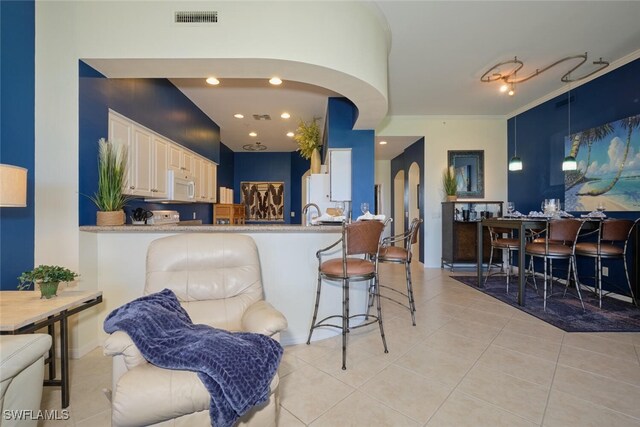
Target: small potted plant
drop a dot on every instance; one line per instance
(112, 177)
(450, 184)
(308, 138)
(48, 277)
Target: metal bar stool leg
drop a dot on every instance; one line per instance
(384, 340)
(345, 321)
(315, 310)
(626, 272)
(412, 305)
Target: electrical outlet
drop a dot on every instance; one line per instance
(194, 215)
(605, 271)
(293, 214)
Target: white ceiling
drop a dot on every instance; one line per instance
(439, 50)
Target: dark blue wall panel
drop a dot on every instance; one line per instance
(299, 166)
(17, 71)
(341, 115)
(412, 154)
(154, 103)
(226, 167)
(264, 167)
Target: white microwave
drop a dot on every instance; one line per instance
(181, 188)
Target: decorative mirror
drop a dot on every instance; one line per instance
(469, 170)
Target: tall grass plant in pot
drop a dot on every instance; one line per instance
(308, 138)
(112, 178)
(450, 184)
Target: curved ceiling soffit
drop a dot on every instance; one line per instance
(371, 102)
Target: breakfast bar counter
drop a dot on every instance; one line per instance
(114, 258)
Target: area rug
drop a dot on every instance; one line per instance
(565, 312)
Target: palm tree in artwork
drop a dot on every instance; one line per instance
(592, 135)
(587, 137)
(629, 124)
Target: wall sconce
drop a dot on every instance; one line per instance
(13, 186)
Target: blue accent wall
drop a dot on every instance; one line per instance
(341, 115)
(540, 142)
(264, 167)
(412, 154)
(226, 167)
(154, 103)
(17, 138)
(299, 166)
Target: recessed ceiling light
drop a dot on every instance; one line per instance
(383, 143)
(275, 81)
(238, 116)
(285, 115)
(212, 81)
(253, 134)
(290, 134)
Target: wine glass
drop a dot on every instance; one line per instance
(339, 208)
(511, 207)
(364, 207)
(600, 207)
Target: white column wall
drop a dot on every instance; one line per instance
(452, 133)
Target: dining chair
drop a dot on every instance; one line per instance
(559, 244)
(502, 243)
(358, 262)
(613, 240)
(398, 250)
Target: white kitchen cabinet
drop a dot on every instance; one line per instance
(175, 157)
(159, 161)
(199, 177)
(211, 172)
(141, 164)
(187, 163)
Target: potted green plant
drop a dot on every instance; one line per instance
(450, 184)
(308, 138)
(48, 277)
(112, 177)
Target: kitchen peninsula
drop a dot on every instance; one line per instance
(114, 259)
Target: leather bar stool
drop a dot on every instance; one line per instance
(612, 243)
(398, 250)
(358, 262)
(559, 244)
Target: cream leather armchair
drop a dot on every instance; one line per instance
(21, 374)
(218, 281)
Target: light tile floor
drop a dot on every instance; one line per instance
(470, 361)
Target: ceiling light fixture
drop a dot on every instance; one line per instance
(285, 115)
(569, 163)
(383, 143)
(238, 116)
(275, 81)
(253, 134)
(515, 164)
(212, 81)
(508, 77)
(290, 134)
(254, 147)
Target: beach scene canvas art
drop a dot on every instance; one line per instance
(608, 172)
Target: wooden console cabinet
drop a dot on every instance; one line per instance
(228, 213)
(460, 233)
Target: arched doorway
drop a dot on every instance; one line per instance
(414, 189)
(398, 203)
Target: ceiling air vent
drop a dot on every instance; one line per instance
(196, 17)
(261, 117)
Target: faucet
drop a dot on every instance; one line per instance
(306, 208)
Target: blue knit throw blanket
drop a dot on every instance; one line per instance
(236, 368)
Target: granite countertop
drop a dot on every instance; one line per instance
(209, 228)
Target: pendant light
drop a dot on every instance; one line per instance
(569, 163)
(515, 164)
